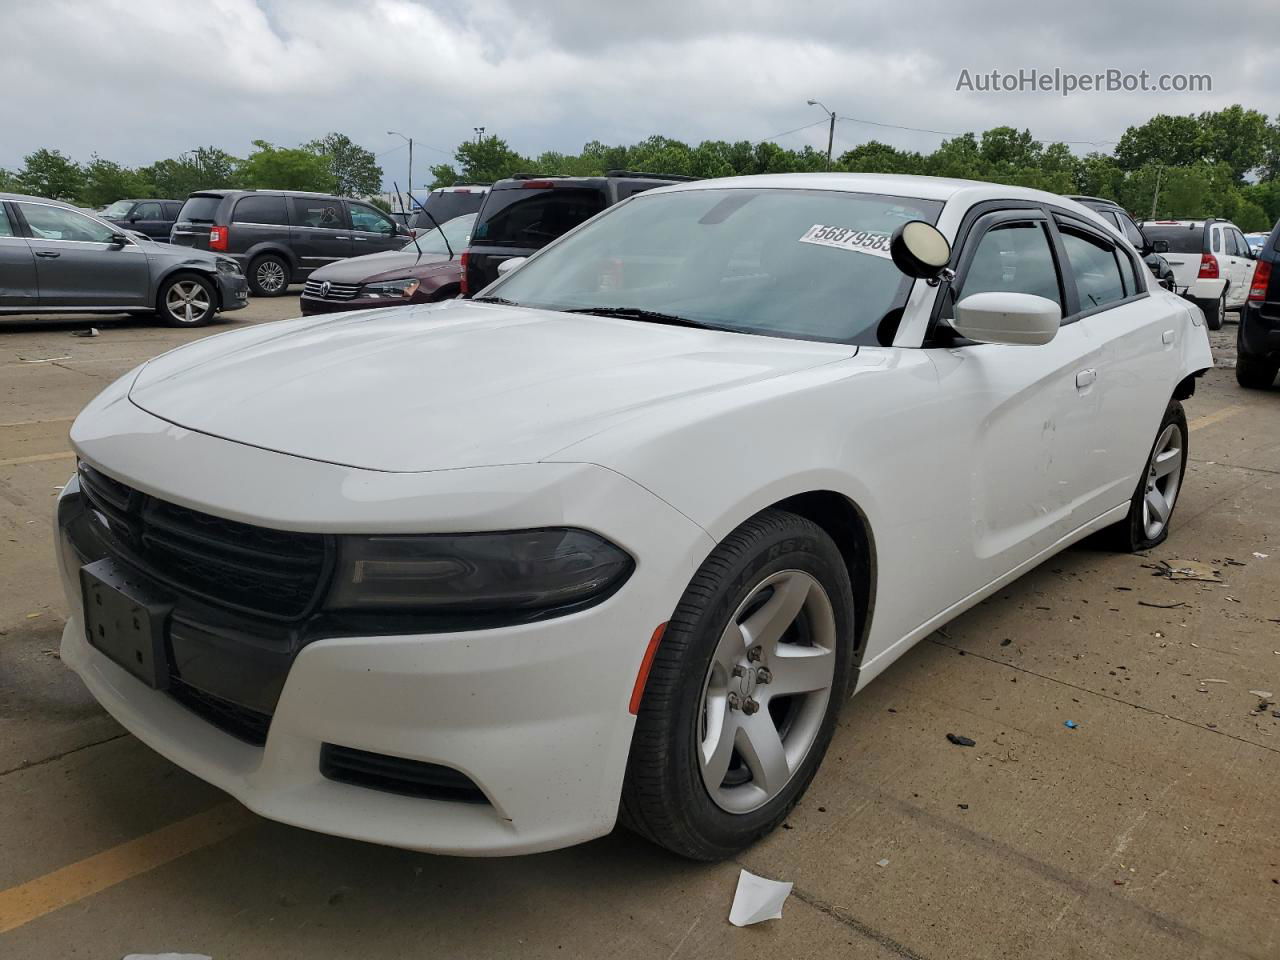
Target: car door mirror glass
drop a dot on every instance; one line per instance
(919, 250)
(119, 239)
(1022, 319)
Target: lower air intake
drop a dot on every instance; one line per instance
(411, 778)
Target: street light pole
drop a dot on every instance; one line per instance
(831, 127)
(409, 185)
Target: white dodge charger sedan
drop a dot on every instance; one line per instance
(615, 539)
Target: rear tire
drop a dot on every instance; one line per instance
(1253, 372)
(753, 667)
(1151, 508)
(187, 300)
(269, 276)
(1215, 311)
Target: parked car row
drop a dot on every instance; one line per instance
(1211, 260)
(56, 259)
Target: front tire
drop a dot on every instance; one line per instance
(269, 276)
(1151, 508)
(1215, 311)
(187, 300)
(742, 698)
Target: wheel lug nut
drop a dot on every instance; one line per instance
(764, 675)
(739, 671)
(735, 702)
(755, 654)
(750, 706)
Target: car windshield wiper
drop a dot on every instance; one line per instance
(645, 316)
(501, 301)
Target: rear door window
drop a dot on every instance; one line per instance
(369, 219)
(6, 230)
(148, 211)
(1217, 240)
(1130, 231)
(1015, 258)
(267, 210)
(532, 217)
(320, 212)
(171, 208)
(1094, 264)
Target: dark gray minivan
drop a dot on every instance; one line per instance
(280, 236)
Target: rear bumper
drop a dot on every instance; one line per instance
(1206, 289)
(1260, 329)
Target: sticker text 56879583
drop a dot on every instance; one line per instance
(846, 238)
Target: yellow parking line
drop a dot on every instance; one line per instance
(38, 458)
(31, 900)
(1209, 419)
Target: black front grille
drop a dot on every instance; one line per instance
(327, 290)
(412, 778)
(241, 722)
(239, 565)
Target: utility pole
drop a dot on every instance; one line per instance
(409, 185)
(479, 133)
(1156, 195)
(831, 127)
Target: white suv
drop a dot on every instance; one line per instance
(1211, 260)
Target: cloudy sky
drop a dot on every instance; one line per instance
(138, 80)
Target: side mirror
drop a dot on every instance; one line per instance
(1159, 246)
(119, 239)
(134, 218)
(920, 250)
(506, 266)
(1021, 319)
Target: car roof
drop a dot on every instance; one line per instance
(24, 196)
(890, 184)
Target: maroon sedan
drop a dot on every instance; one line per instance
(420, 272)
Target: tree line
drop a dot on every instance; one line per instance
(1223, 163)
(330, 164)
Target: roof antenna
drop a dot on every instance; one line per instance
(411, 233)
(435, 223)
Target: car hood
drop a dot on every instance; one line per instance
(379, 266)
(451, 385)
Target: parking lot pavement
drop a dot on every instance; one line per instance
(1150, 829)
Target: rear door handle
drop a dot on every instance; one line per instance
(48, 254)
(1085, 377)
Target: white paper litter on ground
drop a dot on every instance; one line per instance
(168, 956)
(757, 899)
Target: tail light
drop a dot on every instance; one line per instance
(218, 237)
(464, 286)
(1261, 280)
(1208, 267)
(538, 184)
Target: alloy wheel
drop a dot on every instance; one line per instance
(270, 276)
(187, 301)
(1164, 477)
(766, 691)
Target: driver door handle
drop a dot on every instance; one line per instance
(48, 254)
(1085, 378)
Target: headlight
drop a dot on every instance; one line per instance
(229, 266)
(390, 289)
(524, 570)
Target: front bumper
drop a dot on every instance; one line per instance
(312, 306)
(233, 291)
(535, 715)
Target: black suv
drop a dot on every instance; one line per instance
(154, 219)
(1258, 339)
(1119, 218)
(523, 214)
(280, 236)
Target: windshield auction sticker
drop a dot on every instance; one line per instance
(846, 238)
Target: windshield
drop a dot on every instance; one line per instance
(118, 210)
(456, 231)
(1182, 237)
(805, 264)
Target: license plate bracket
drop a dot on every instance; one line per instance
(126, 620)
